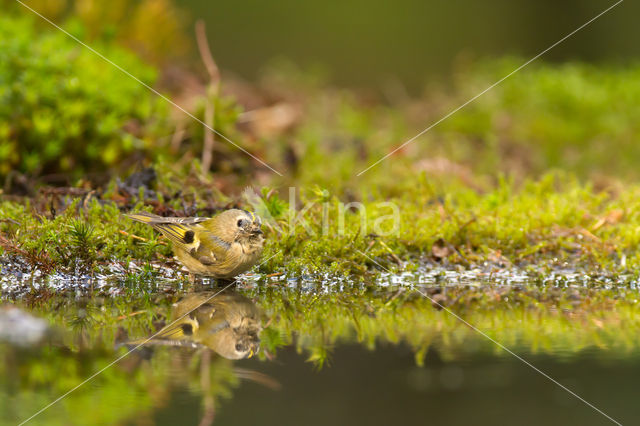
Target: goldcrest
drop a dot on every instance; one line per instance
(227, 323)
(223, 246)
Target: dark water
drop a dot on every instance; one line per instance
(321, 352)
(385, 387)
(410, 42)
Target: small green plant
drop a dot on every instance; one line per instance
(83, 249)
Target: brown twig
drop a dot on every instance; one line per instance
(212, 93)
(205, 52)
(258, 377)
(9, 220)
(38, 259)
(209, 140)
(135, 237)
(205, 383)
(176, 138)
(391, 253)
(132, 314)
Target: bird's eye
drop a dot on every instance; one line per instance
(239, 347)
(241, 223)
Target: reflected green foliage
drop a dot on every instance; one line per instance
(537, 320)
(527, 318)
(87, 336)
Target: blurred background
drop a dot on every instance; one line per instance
(297, 82)
(409, 42)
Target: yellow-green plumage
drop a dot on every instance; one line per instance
(223, 246)
(227, 323)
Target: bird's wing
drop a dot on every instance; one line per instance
(202, 244)
(187, 233)
(185, 328)
(211, 245)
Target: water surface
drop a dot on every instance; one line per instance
(324, 351)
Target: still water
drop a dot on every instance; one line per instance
(276, 352)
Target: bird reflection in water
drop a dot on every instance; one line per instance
(227, 323)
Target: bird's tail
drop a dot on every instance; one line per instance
(177, 229)
(146, 217)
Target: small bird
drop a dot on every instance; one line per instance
(227, 323)
(223, 246)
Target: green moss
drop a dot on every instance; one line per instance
(551, 221)
(63, 109)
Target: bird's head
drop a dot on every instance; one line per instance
(233, 343)
(246, 225)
